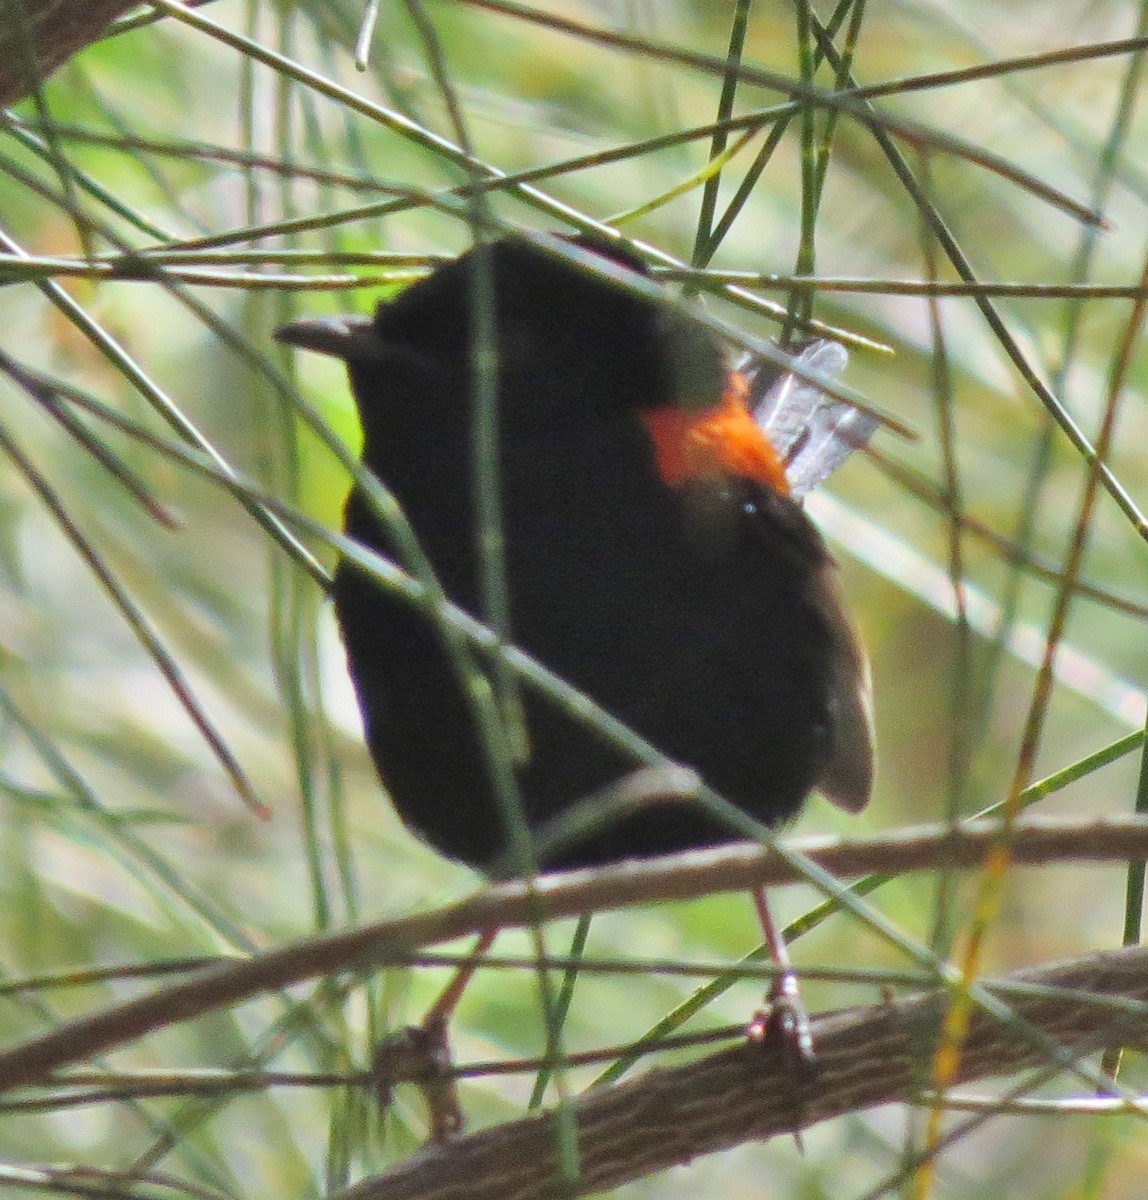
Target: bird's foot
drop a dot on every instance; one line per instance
(420, 1054)
(783, 1027)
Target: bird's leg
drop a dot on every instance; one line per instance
(782, 1023)
(420, 1054)
(440, 1011)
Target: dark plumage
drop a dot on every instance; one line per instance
(705, 614)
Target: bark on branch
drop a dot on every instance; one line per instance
(682, 877)
(37, 36)
(865, 1057)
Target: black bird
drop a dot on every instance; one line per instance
(695, 602)
(656, 554)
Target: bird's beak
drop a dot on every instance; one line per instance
(349, 337)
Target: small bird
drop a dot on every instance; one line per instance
(657, 556)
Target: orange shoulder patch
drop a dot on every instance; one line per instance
(721, 440)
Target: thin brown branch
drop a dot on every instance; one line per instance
(39, 36)
(683, 877)
(865, 1057)
(45, 35)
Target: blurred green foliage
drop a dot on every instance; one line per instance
(124, 841)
